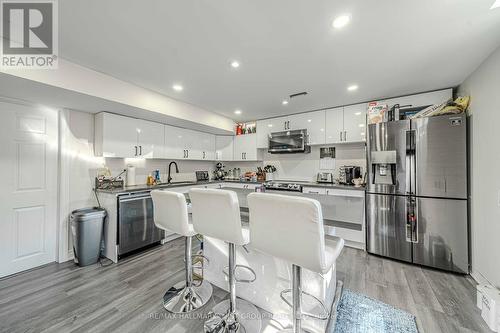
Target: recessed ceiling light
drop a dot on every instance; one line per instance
(237, 111)
(496, 4)
(357, 114)
(269, 125)
(309, 120)
(353, 87)
(341, 21)
(285, 102)
(361, 125)
(177, 87)
(235, 64)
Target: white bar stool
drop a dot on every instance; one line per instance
(291, 228)
(171, 214)
(216, 214)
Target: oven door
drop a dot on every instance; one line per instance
(288, 142)
(136, 228)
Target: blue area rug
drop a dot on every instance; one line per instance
(357, 313)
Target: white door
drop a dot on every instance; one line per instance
(151, 139)
(313, 122)
(224, 148)
(335, 125)
(28, 200)
(355, 123)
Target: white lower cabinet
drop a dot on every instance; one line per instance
(314, 190)
(245, 147)
(224, 147)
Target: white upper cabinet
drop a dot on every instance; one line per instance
(151, 139)
(119, 136)
(355, 123)
(181, 143)
(206, 146)
(313, 122)
(335, 125)
(224, 147)
(266, 127)
(176, 139)
(245, 147)
(346, 124)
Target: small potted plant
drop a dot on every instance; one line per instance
(269, 170)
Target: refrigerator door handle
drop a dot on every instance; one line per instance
(414, 234)
(410, 160)
(408, 220)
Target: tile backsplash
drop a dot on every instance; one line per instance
(305, 167)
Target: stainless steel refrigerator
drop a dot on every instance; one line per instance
(416, 201)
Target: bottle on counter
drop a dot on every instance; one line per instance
(150, 181)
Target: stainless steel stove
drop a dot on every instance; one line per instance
(279, 186)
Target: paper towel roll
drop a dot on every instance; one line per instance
(131, 175)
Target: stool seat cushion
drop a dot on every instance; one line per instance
(170, 212)
(291, 228)
(216, 213)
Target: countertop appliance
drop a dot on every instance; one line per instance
(289, 142)
(278, 186)
(202, 176)
(348, 173)
(136, 228)
(416, 201)
(324, 177)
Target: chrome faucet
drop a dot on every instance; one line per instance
(169, 179)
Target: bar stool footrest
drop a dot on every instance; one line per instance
(226, 269)
(322, 316)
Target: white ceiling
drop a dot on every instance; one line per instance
(390, 48)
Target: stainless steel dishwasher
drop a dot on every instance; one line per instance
(136, 228)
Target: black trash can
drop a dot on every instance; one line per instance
(86, 229)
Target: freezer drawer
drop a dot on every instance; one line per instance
(441, 156)
(386, 226)
(442, 234)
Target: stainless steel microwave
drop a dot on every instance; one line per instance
(289, 142)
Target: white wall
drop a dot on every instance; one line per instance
(484, 88)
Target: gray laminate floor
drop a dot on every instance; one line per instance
(126, 297)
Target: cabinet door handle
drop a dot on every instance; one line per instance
(140, 150)
(187, 153)
(203, 155)
(340, 135)
(345, 135)
(135, 150)
(288, 124)
(285, 125)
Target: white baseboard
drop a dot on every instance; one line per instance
(479, 278)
